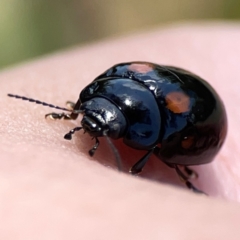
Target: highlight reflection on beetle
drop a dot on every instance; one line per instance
(164, 110)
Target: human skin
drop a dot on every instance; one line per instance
(51, 189)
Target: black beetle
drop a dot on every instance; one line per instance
(164, 110)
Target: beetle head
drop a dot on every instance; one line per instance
(102, 118)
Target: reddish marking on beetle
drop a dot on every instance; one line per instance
(159, 145)
(178, 102)
(187, 142)
(141, 67)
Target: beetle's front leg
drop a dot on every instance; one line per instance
(72, 116)
(55, 116)
(138, 167)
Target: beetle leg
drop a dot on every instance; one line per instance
(190, 172)
(72, 116)
(68, 136)
(70, 105)
(185, 180)
(94, 148)
(55, 116)
(65, 116)
(137, 167)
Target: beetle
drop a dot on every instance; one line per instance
(164, 110)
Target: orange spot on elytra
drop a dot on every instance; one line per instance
(187, 142)
(141, 67)
(178, 102)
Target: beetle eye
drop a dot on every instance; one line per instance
(188, 141)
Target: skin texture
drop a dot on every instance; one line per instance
(51, 189)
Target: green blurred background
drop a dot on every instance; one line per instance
(31, 28)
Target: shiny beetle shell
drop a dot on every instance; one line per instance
(164, 108)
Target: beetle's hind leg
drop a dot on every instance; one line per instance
(190, 173)
(185, 179)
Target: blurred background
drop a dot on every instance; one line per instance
(31, 28)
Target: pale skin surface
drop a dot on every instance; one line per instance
(51, 189)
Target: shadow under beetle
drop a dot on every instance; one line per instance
(164, 110)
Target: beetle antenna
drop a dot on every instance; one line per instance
(38, 102)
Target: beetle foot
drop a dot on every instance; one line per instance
(94, 148)
(68, 136)
(185, 180)
(193, 188)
